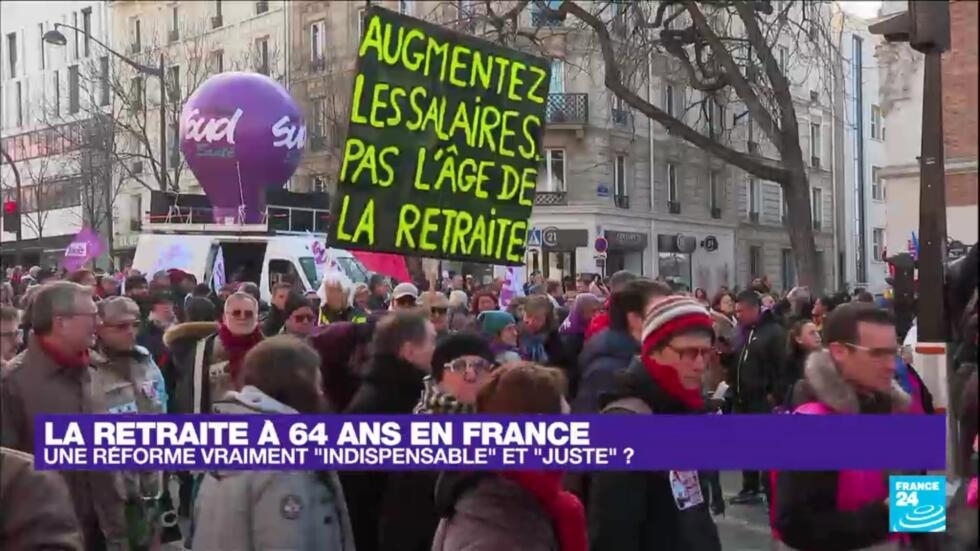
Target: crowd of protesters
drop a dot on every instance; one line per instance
(87, 342)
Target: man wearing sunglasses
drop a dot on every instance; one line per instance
(438, 306)
(127, 380)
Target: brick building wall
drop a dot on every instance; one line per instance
(960, 66)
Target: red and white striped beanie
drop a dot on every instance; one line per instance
(671, 315)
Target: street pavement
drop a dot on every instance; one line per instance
(743, 527)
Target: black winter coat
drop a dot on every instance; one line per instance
(635, 511)
(390, 386)
(753, 369)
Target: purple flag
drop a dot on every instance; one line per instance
(86, 246)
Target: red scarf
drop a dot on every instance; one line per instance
(237, 346)
(565, 510)
(59, 357)
(670, 382)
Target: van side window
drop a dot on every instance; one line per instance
(284, 271)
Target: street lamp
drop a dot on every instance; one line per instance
(57, 38)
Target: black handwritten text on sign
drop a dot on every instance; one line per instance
(443, 149)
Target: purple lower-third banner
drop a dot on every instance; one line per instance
(480, 442)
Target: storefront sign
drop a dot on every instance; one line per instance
(625, 240)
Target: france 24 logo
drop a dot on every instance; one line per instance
(917, 504)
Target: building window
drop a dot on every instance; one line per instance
(815, 144)
(104, 81)
(135, 35)
(620, 192)
(878, 244)
(217, 61)
(555, 170)
(403, 7)
(877, 184)
(44, 45)
(877, 128)
(262, 53)
(74, 23)
(754, 194)
(20, 104)
(788, 269)
(73, 89)
(57, 94)
(781, 200)
(136, 93)
(714, 193)
(173, 83)
(360, 23)
(12, 54)
(318, 41)
(783, 58)
(87, 27)
(755, 261)
(672, 193)
(816, 206)
(318, 184)
(669, 99)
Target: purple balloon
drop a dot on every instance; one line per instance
(242, 134)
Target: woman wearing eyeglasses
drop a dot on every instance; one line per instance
(460, 364)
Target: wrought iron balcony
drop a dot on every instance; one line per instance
(568, 109)
(621, 201)
(550, 199)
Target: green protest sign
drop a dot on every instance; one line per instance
(443, 148)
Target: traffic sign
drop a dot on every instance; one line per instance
(601, 245)
(534, 237)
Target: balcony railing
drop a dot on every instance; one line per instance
(674, 207)
(621, 201)
(550, 199)
(716, 212)
(318, 64)
(568, 109)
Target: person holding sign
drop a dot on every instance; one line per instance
(445, 134)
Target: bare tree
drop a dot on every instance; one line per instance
(732, 53)
(36, 196)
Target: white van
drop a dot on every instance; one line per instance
(265, 259)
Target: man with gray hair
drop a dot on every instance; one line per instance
(127, 380)
(54, 376)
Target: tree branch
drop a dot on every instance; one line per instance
(760, 168)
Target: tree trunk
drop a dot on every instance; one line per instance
(800, 228)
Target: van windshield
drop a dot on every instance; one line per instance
(354, 270)
(309, 268)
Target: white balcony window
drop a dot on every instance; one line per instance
(552, 175)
